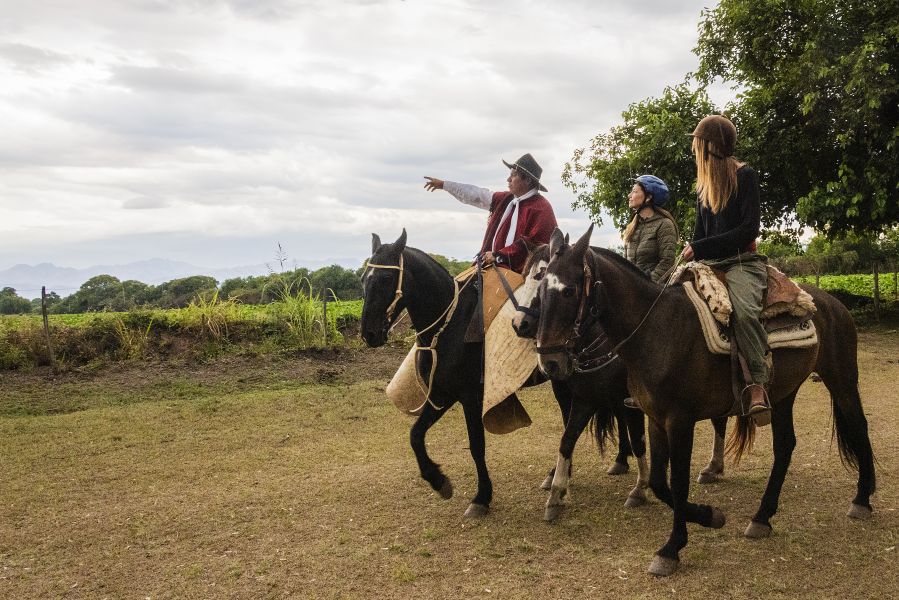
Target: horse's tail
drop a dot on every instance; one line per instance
(603, 427)
(741, 439)
(837, 365)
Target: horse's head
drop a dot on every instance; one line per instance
(382, 283)
(561, 298)
(525, 320)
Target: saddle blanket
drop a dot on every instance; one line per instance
(782, 296)
(800, 334)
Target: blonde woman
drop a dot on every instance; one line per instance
(650, 239)
(727, 224)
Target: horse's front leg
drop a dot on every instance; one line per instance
(480, 504)
(635, 431)
(562, 392)
(679, 433)
(715, 469)
(430, 471)
(581, 411)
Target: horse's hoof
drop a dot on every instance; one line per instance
(446, 490)
(634, 501)
(718, 519)
(757, 531)
(552, 512)
(857, 511)
(475, 511)
(618, 468)
(547, 483)
(662, 566)
(708, 477)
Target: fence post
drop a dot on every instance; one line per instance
(47, 327)
(876, 290)
(325, 317)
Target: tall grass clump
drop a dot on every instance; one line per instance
(211, 316)
(301, 312)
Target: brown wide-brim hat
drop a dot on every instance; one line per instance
(527, 164)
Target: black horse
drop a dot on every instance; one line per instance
(399, 277)
(679, 382)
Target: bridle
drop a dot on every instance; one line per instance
(581, 360)
(398, 294)
(446, 316)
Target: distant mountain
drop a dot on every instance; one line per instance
(28, 279)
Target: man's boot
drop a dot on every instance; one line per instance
(758, 405)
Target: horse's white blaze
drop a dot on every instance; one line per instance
(553, 282)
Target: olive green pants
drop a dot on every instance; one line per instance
(747, 279)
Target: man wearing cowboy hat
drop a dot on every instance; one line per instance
(515, 216)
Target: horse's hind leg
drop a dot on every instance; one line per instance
(851, 426)
(715, 469)
(784, 442)
(430, 471)
(577, 421)
(562, 392)
(475, 424)
(620, 466)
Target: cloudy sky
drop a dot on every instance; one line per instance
(210, 130)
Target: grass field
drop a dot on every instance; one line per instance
(292, 477)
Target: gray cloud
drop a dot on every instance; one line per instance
(31, 59)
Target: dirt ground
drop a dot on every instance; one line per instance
(293, 477)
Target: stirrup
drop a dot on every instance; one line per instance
(631, 403)
(760, 413)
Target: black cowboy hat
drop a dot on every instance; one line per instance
(527, 164)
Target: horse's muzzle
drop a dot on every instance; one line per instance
(525, 326)
(555, 366)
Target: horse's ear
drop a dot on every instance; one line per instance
(556, 241)
(566, 239)
(400, 244)
(375, 243)
(580, 247)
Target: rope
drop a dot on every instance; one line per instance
(432, 348)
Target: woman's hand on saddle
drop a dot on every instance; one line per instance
(687, 252)
(433, 183)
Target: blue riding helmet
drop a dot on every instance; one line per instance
(654, 186)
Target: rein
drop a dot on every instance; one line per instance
(578, 359)
(446, 315)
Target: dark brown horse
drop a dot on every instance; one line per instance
(678, 381)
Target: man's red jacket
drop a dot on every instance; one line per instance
(536, 222)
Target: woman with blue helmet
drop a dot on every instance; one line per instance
(650, 242)
(650, 239)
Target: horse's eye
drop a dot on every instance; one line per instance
(568, 292)
(540, 274)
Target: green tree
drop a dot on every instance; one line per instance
(178, 293)
(13, 304)
(820, 102)
(651, 140)
(343, 282)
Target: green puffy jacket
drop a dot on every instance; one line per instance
(652, 245)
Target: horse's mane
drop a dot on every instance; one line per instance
(615, 257)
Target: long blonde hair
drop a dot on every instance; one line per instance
(716, 174)
(632, 226)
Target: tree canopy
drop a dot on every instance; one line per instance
(819, 107)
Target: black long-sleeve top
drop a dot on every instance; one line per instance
(734, 229)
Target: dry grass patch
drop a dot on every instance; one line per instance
(265, 485)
